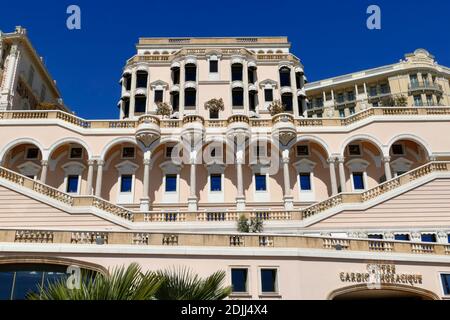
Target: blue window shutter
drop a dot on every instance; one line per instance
(305, 181)
(261, 183)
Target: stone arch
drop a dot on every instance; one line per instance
(397, 288)
(365, 137)
(63, 141)
(408, 136)
(115, 142)
(11, 145)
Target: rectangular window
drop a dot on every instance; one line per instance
(260, 182)
(216, 182)
(350, 96)
(213, 66)
(238, 97)
(358, 181)
(428, 237)
(340, 98)
(239, 280)
(236, 72)
(430, 100)
(354, 150)
(373, 91)
(251, 75)
(126, 183)
(175, 102)
(32, 153)
(397, 149)
(268, 95)
(446, 283)
(158, 96)
(268, 280)
(402, 237)
(384, 88)
(72, 184)
(375, 236)
(141, 79)
(76, 153)
(342, 113)
(190, 97)
(302, 151)
(139, 104)
(126, 108)
(128, 153)
(176, 76)
(171, 183)
(351, 110)
(305, 181)
(418, 101)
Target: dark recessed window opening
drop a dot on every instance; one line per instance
(285, 77)
(214, 114)
(268, 95)
(402, 237)
(126, 183)
(446, 283)
(397, 149)
(251, 75)
(375, 236)
(236, 72)
(238, 97)
(176, 75)
(239, 280)
(260, 182)
(127, 79)
(216, 182)
(32, 153)
(141, 79)
(128, 152)
(305, 181)
(190, 71)
(268, 280)
(428, 237)
(286, 100)
(171, 183)
(252, 96)
(139, 104)
(190, 97)
(126, 108)
(76, 153)
(175, 101)
(213, 66)
(358, 180)
(158, 96)
(72, 184)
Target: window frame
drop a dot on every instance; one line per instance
(276, 283)
(403, 149)
(220, 177)
(363, 180)
(123, 153)
(265, 182)
(441, 274)
(131, 176)
(68, 177)
(76, 158)
(359, 145)
(247, 282)
(171, 175)
(27, 150)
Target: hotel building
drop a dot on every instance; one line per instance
(351, 179)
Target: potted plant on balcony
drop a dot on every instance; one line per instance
(214, 106)
(163, 109)
(276, 107)
(401, 101)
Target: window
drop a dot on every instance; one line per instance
(169, 152)
(171, 183)
(139, 104)
(251, 75)
(402, 237)
(446, 283)
(384, 88)
(342, 113)
(128, 153)
(428, 237)
(238, 97)
(340, 98)
(158, 96)
(418, 101)
(216, 182)
(268, 280)
(268, 95)
(190, 97)
(126, 183)
(127, 79)
(305, 181)
(397, 149)
(373, 91)
(260, 182)
(285, 77)
(190, 72)
(252, 96)
(214, 114)
(175, 101)
(32, 153)
(413, 78)
(286, 100)
(358, 181)
(302, 151)
(429, 100)
(76, 153)
(213, 66)
(176, 75)
(72, 184)
(375, 236)
(350, 96)
(239, 280)
(351, 110)
(141, 79)
(236, 72)
(126, 108)
(354, 150)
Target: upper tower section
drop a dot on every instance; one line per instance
(25, 83)
(247, 73)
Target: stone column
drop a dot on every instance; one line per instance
(133, 93)
(192, 200)
(294, 93)
(44, 164)
(98, 186)
(334, 188)
(245, 84)
(181, 94)
(240, 198)
(90, 177)
(9, 78)
(145, 200)
(288, 198)
(342, 179)
(387, 168)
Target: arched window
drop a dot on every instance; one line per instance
(238, 97)
(285, 77)
(190, 97)
(190, 72)
(141, 79)
(236, 72)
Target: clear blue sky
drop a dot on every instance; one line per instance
(330, 37)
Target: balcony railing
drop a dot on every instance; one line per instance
(425, 86)
(141, 239)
